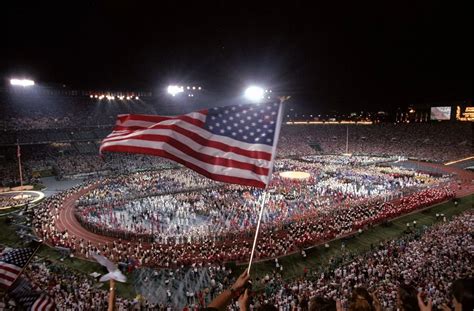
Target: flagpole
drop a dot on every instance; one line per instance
(26, 265)
(111, 296)
(262, 207)
(347, 139)
(270, 172)
(18, 154)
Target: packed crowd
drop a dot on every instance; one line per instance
(349, 160)
(78, 154)
(109, 163)
(138, 205)
(438, 142)
(192, 287)
(7, 201)
(429, 262)
(388, 277)
(289, 225)
(144, 184)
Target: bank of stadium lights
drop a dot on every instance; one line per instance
(22, 82)
(174, 90)
(113, 97)
(254, 94)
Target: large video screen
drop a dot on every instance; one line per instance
(440, 113)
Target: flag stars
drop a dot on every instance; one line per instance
(249, 123)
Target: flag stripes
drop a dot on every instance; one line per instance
(218, 143)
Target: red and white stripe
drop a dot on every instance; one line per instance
(183, 139)
(43, 303)
(8, 274)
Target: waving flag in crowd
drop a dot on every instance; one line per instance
(12, 263)
(233, 144)
(29, 299)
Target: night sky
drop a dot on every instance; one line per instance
(346, 56)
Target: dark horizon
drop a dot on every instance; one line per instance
(371, 56)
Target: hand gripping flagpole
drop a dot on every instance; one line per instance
(264, 194)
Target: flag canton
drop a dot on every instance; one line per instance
(18, 257)
(254, 124)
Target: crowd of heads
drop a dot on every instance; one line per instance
(429, 264)
(215, 224)
(391, 275)
(180, 206)
(439, 141)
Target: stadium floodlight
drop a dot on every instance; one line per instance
(175, 89)
(254, 93)
(22, 82)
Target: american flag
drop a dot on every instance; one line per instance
(11, 264)
(234, 144)
(30, 299)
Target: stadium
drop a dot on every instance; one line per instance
(229, 184)
(331, 181)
